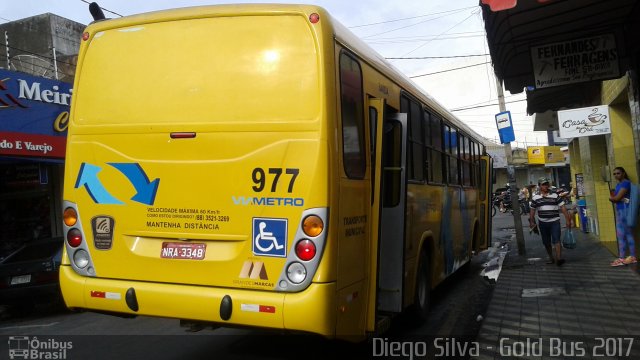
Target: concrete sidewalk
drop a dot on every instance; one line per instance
(546, 310)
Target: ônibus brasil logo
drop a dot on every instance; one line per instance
(26, 347)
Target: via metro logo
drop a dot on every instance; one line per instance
(269, 237)
(145, 190)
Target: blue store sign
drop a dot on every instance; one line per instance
(34, 115)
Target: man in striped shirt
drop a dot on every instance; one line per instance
(548, 205)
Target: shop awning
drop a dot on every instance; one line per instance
(512, 33)
(563, 97)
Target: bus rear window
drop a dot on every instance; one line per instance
(210, 70)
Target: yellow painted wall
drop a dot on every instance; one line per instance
(620, 153)
(598, 203)
(611, 89)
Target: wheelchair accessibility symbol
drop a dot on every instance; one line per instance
(270, 237)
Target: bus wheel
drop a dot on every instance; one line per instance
(422, 296)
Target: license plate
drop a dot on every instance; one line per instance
(22, 279)
(171, 250)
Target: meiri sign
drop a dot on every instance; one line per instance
(34, 115)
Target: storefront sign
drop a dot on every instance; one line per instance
(34, 115)
(588, 121)
(575, 61)
(545, 155)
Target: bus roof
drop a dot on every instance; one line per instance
(341, 33)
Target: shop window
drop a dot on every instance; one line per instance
(25, 204)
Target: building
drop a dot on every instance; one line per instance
(37, 65)
(578, 61)
(530, 164)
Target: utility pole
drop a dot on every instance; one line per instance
(511, 171)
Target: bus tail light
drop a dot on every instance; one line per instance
(74, 237)
(312, 225)
(307, 247)
(77, 242)
(81, 258)
(70, 216)
(296, 273)
(305, 250)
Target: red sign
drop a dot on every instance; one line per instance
(499, 5)
(22, 144)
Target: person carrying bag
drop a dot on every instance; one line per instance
(568, 240)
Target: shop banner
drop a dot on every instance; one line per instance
(34, 115)
(588, 121)
(575, 61)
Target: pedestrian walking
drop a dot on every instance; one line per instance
(624, 233)
(548, 205)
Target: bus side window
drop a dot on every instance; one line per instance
(416, 142)
(436, 156)
(426, 126)
(352, 110)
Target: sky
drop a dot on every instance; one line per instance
(423, 29)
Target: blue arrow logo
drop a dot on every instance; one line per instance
(88, 176)
(146, 191)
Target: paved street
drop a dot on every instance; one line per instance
(582, 305)
(456, 305)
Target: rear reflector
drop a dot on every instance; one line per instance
(182, 135)
(106, 295)
(258, 308)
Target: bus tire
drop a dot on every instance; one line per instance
(422, 297)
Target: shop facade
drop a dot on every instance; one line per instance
(34, 114)
(578, 61)
(598, 155)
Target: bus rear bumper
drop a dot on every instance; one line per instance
(312, 310)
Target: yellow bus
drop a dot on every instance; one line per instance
(258, 165)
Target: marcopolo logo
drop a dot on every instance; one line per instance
(26, 347)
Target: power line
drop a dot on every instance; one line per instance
(404, 27)
(5, 19)
(486, 101)
(409, 18)
(113, 12)
(434, 57)
(489, 115)
(422, 37)
(480, 106)
(443, 71)
(406, 41)
(442, 33)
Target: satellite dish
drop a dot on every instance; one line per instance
(33, 65)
